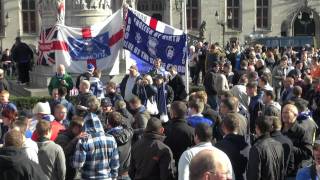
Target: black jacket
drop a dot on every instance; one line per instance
(209, 83)
(302, 147)
(22, 53)
(82, 99)
(179, 137)
(151, 159)
(128, 117)
(14, 165)
(287, 148)
(266, 160)
(178, 87)
(235, 146)
(123, 136)
(68, 142)
(144, 92)
(114, 98)
(123, 84)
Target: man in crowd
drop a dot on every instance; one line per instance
(22, 54)
(311, 172)
(179, 135)
(111, 92)
(195, 114)
(85, 76)
(302, 144)
(123, 136)
(177, 84)
(234, 145)
(51, 156)
(158, 69)
(68, 139)
(207, 165)
(60, 79)
(209, 85)
(231, 105)
(81, 104)
(284, 140)
(151, 158)
(128, 83)
(4, 85)
(141, 117)
(14, 164)
(266, 158)
(164, 96)
(203, 137)
(256, 104)
(287, 94)
(269, 103)
(96, 154)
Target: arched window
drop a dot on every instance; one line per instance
(192, 14)
(262, 15)
(29, 16)
(233, 14)
(153, 8)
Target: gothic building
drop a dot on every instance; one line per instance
(225, 19)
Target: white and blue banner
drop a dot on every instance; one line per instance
(146, 43)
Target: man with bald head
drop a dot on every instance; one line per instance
(207, 165)
(302, 143)
(60, 79)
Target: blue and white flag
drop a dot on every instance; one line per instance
(148, 39)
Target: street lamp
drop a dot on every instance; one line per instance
(223, 25)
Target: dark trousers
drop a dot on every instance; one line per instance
(193, 74)
(23, 69)
(201, 67)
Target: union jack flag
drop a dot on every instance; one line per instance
(46, 46)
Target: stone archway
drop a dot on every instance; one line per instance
(306, 11)
(304, 25)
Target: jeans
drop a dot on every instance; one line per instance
(213, 101)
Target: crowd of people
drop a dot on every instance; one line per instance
(256, 118)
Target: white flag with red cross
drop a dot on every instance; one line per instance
(98, 45)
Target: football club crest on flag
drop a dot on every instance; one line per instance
(148, 41)
(90, 48)
(98, 45)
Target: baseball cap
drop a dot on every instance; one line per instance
(90, 67)
(106, 102)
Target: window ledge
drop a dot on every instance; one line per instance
(268, 30)
(233, 30)
(31, 35)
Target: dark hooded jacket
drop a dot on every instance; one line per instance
(123, 136)
(307, 123)
(151, 159)
(14, 165)
(236, 149)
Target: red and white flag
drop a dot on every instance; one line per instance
(98, 45)
(157, 25)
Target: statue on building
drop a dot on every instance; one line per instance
(53, 7)
(202, 30)
(91, 4)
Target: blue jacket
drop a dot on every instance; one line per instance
(193, 121)
(306, 174)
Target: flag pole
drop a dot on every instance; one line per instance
(184, 18)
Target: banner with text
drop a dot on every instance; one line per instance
(144, 41)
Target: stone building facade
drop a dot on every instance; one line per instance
(242, 19)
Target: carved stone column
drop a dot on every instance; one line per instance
(87, 12)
